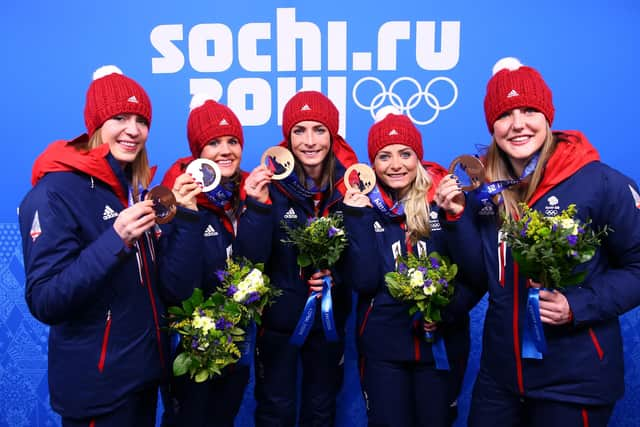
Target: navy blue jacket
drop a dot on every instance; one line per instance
(584, 361)
(104, 301)
(385, 329)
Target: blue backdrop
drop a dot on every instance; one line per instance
(432, 57)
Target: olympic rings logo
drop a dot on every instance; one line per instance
(414, 100)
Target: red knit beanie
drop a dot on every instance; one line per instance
(112, 93)
(310, 105)
(514, 85)
(209, 120)
(392, 128)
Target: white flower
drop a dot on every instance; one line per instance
(429, 290)
(416, 278)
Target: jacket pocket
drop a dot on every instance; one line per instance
(105, 342)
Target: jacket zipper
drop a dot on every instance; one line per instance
(153, 303)
(366, 317)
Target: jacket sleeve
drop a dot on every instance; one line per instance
(360, 267)
(180, 261)
(255, 232)
(462, 244)
(62, 275)
(614, 287)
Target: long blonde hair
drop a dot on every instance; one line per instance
(140, 171)
(498, 167)
(416, 206)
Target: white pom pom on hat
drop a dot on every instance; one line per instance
(105, 70)
(385, 111)
(509, 63)
(199, 99)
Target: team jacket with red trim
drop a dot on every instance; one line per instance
(102, 300)
(584, 361)
(384, 328)
(260, 236)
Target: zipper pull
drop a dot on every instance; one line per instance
(108, 315)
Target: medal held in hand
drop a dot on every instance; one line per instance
(360, 177)
(279, 160)
(205, 172)
(469, 170)
(164, 203)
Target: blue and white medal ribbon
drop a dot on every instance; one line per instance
(534, 345)
(487, 191)
(377, 200)
(305, 323)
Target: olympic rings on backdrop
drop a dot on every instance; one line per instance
(407, 107)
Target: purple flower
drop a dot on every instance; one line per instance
(222, 324)
(201, 312)
(229, 339)
(402, 268)
(574, 254)
(253, 297)
(580, 230)
(422, 270)
(572, 240)
(231, 291)
(434, 262)
(194, 343)
(221, 274)
(443, 282)
(332, 231)
(554, 227)
(428, 282)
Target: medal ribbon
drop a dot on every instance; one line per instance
(486, 191)
(221, 195)
(141, 194)
(305, 323)
(381, 203)
(534, 345)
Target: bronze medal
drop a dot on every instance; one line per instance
(469, 170)
(279, 160)
(164, 203)
(360, 177)
(206, 172)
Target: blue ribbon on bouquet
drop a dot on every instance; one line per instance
(247, 346)
(305, 323)
(534, 345)
(438, 348)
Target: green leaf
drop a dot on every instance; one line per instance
(202, 376)
(181, 364)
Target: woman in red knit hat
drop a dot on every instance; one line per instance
(95, 266)
(314, 189)
(214, 133)
(576, 378)
(406, 379)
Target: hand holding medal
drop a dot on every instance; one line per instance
(164, 203)
(359, 180)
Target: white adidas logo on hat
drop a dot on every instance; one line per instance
(513, 93)
(223, 122)
(132, 98)
(305, 107)
(393, 132)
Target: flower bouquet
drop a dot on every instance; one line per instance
(320, 244)
(246, 284)
(210, 333)
(548, 249)
(423, 281)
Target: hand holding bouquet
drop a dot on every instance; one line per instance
(548, 249)
(209, 334)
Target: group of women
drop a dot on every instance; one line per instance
(100, 271)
